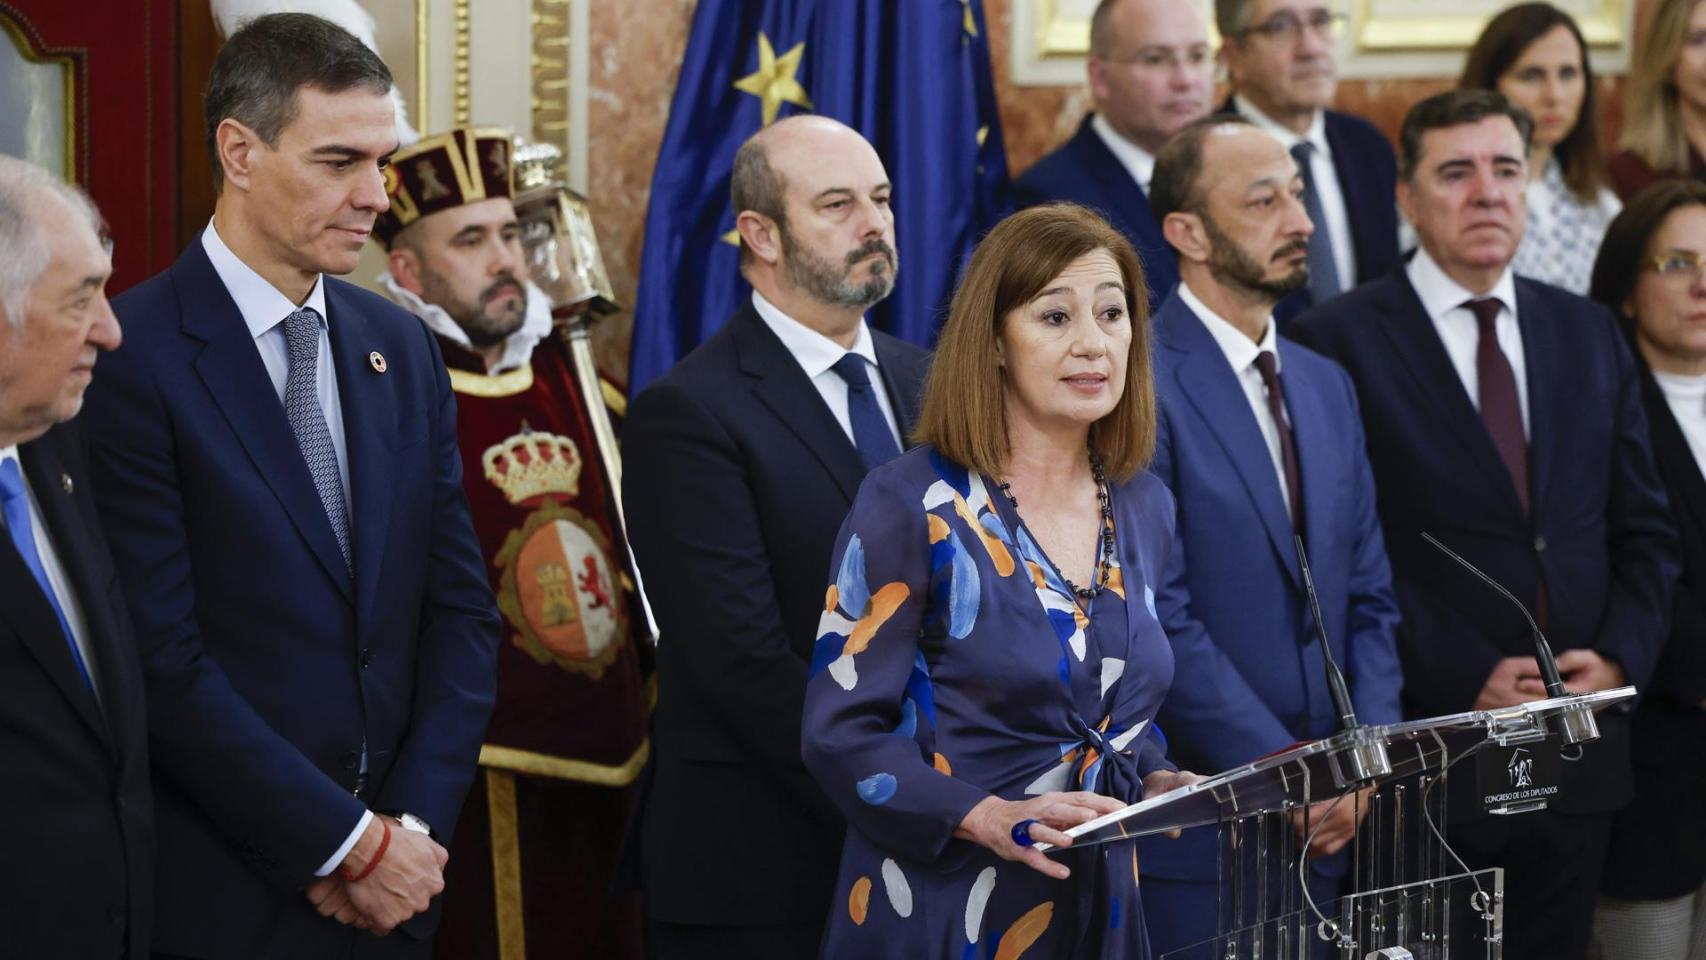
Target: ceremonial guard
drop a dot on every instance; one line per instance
(533, 857)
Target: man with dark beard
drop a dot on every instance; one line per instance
(1259, 439)
(740, 465)
(568, 730)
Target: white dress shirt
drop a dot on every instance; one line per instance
(1241, 353)
(1443, 299)
(1325, 178)
(264, 308)
(1138, 162)
(817, 355)
(1686, 397)
(56, 575)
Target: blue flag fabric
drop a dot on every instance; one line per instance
(913, 76)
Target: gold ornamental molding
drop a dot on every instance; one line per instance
(1400, 25)
(30, 45)
(461, 56)
(549, 72)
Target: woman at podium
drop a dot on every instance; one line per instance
(989, 662)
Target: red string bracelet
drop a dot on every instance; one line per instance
(378, 855)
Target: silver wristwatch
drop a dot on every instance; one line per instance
(409, 821)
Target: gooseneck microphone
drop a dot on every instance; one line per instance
(1336, 689)
(1364, 758)
(1576, 726)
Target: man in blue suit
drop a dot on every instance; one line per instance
(274, 454)
(1259, 440)
(1281, 67)
(1151, 72)
(1504, 417)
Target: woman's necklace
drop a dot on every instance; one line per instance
(1106, 561)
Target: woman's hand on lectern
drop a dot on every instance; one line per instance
(995, 823)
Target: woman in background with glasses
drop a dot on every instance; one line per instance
(1653, 905)
(1534, 54)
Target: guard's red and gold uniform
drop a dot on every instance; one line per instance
(536, 849)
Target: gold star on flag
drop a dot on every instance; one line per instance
(971, 22)
(732, 238)
(774, 83)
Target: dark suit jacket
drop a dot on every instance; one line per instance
(78, 834)
(1084, 171)
(267, 667)
(1658, 844)
(1368, 177)
(737, 478)
(1250, 679)
(1600, 533)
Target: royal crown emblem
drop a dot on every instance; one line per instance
(530, 465)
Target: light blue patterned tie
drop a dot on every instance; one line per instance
(308, 421)
(15, 506)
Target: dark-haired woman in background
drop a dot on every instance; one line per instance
(1650, 273)
(1534, 54)
(989, 661)
(1664, 113)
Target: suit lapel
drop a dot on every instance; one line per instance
(231, 368)
(782, 386)
(904, 381)
(1125, 197)
(1352, 187)
(27, 607)
(1207, 380)
(1417, 346)
(1540, 361)
(370, 436)
(1684, 483)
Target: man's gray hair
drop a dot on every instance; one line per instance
(23, 240)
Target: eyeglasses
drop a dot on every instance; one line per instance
(1163, 58)
(1289, 26)
(1679, 265)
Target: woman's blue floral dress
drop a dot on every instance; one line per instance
(952, 663)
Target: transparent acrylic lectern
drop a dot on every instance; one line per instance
(1407, 893)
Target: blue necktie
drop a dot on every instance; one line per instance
(871, 433)
(16, 504)
(308, 421)
(1323, 267)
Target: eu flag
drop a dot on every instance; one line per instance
(913, 76)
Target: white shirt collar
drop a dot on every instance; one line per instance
(814, 352)
(1240, 350)
(1138, 162)
(1440, 294)
(518, 346)
(1316, 135)
(261, 304)
(11, 453)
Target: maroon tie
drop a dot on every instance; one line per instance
(1501, 411)
(1268, 367)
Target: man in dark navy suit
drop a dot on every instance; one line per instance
(1259, 441)
(275, 461)
(1151, 72)
(1281, 66)
(740, 465)
(1504, 417)
(76, 823)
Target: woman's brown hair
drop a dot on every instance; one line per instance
(1501, 45)
(965, 413)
